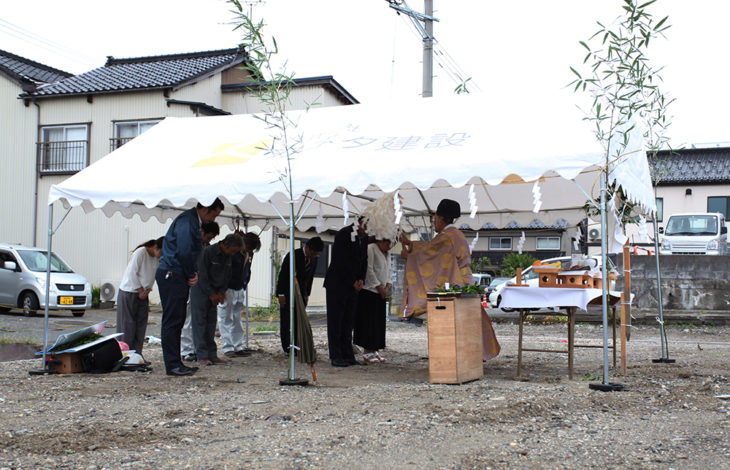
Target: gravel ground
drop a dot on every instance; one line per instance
(384, 415)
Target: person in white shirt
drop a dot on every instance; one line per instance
(133, 304)
(369, 331)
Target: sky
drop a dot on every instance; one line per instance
(518, 51)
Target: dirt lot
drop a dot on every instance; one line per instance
(384, 415)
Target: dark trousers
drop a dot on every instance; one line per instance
(370, 321)
(174, 292)
(341, 304)
(284, 327)
(204, 316)
(132, 316)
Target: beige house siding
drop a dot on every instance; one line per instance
(93, 244)
(206, 91)
(17, 164)
(238, 102)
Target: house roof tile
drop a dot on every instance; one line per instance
(28, 72)
(536, 224)
(692, 166)
(144, 73)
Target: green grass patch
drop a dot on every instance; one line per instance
(266, 328)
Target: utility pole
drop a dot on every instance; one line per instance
(424, 24)
(428, 49)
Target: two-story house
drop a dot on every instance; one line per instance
(55, 125)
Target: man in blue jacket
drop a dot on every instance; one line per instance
(177, 272)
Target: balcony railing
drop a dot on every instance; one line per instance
(63, 156)
(116, 142)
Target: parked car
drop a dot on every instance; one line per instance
(531, 278)
(23, 282)
(497, 281)
(695, 234)
(482, 279)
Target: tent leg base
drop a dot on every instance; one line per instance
(609, 387)
(663, 360)
(301, 382)
(40, 372)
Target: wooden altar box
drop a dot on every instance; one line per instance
(66, 363)
(454, 340)
(547, 275)
(576, 279)
(598, 280)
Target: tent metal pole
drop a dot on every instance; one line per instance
(245, 227)
(292, 261)
(665, 355)
(604, 272)
(48, 283)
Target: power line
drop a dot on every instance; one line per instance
(10, 29)
(445, 60)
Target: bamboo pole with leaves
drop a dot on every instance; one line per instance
(625, 93)
(273, 89)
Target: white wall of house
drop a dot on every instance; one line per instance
(93, 244)
(18, 133)
(206, 91)
(238, 102)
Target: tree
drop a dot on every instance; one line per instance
(624, 87)
(515, 260)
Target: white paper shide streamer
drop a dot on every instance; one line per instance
(396, 206)
(473, 243)
(382, 217)
(345, 208)
(536, 197)
(643, 230)
(472, 202)
(576, 238)
(619, 238)
(521, 243)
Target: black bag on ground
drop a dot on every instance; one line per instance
(102, 357)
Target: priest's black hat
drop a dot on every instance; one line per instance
(449, 208)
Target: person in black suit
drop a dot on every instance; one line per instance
(305, 265)
(344, 279)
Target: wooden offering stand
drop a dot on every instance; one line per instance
(575, 279)
(518, 279)
(598, 280)
(547, 276)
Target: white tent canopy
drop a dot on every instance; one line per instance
(426, 149)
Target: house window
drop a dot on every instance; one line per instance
(548, 243)
(64, 149)
(719, 204)
(128, 130)
(659, 209)
(500, 243)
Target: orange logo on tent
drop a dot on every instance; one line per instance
(233, 153)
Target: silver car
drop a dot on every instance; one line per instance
(23, 282)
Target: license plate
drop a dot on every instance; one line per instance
(66, 300)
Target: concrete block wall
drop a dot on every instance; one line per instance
(689, 282)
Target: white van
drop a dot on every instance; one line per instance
(694, 234)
